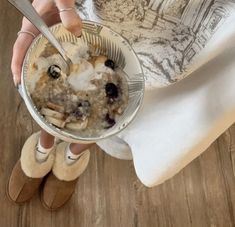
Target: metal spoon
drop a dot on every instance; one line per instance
(26, 8)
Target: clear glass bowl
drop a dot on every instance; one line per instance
(108, 43)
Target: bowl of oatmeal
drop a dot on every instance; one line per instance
(102, 93)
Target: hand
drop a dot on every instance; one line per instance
(49, 11)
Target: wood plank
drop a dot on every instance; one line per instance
(109, 193)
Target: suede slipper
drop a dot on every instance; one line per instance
(60, 185)
(28, 173)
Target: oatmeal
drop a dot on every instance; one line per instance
(88, 100)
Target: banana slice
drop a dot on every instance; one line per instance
(100, 60)
(52, 113)
(55, 107)
(57, 122)
(78, 125)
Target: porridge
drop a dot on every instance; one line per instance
(88, 100)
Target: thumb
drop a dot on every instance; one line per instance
(69, 17)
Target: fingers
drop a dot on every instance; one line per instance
(69, 18)
(24, 40)
(49, 13)
(19, 50)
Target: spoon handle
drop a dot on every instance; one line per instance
(26, 8)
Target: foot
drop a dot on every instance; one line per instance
(28, 173)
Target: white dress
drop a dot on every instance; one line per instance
(173, 39)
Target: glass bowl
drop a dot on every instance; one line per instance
(108, 43)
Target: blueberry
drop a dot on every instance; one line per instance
(111, 122)
(82, 109)
(111, 90)
(77, 113)
(54, 71)
(110, 64)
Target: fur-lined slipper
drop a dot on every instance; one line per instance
(61, 182)
(28, 174)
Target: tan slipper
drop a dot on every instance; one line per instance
(28, 173)
(61, 182)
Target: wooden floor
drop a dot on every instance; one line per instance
(109, 193)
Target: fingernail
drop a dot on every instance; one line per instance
(78, 33)
(15, 81)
